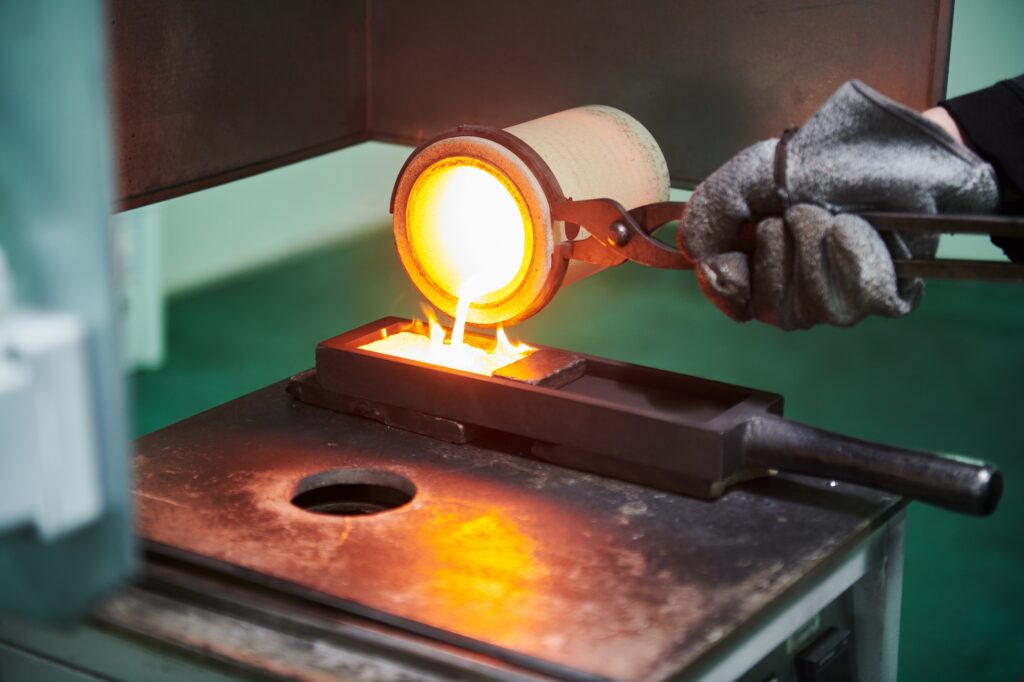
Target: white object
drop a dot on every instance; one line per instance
(49, 469)
(138, 241)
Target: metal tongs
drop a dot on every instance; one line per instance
(618, 235)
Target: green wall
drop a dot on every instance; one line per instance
(988, 44)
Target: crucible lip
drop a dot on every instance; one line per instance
(353, 492)
(546, 265)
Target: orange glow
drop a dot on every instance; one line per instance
(469, 229)
(454, 352)
(506, 347)
(485, 572)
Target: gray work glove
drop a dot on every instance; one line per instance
(813, 262)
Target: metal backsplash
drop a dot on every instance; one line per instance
(207, 92)
(706, 78)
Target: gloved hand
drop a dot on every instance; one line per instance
(814, 262)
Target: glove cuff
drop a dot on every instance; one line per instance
(862, 151)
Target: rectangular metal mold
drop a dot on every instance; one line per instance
(648, 426)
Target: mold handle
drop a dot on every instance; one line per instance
(957, 484)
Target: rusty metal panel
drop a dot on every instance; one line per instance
(555, 572)
(207, 92)
(707, 78)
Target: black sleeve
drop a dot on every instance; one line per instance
(992, 120)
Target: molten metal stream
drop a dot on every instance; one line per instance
(454, 353)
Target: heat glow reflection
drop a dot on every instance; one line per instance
(484, 572)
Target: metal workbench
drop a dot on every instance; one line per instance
(500, 567)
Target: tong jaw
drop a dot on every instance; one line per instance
(618, 235)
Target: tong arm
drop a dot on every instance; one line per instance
(618, 235)
(924, 223)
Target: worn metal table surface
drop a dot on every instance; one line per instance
(556, 571)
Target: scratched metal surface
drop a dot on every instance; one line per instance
(706, 78)
(563, 571)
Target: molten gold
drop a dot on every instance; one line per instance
(454, 352)
(469, 229)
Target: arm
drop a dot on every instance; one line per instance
(991, 121)
(940, 117)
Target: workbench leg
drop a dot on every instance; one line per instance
(876, 609)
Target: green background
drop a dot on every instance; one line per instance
(950, 377)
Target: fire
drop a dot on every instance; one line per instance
(437, 348)
(506, 347)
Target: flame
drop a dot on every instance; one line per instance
(436, 348)
(436, 330)
(505, 347)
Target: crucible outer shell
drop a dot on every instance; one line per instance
(584, 153)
